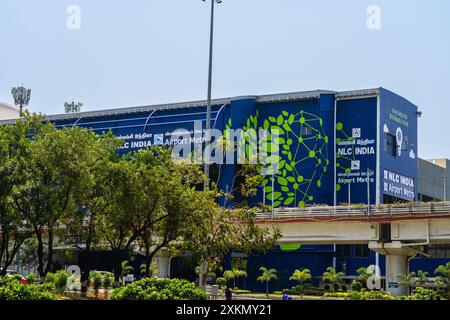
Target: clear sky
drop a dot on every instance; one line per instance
(140, 52)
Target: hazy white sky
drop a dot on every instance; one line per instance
(139, 52)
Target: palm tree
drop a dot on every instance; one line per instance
(267, 276)
(422, 278)
(229, 275)
(301, 276)
(332, 277)
(233, 275)
(364, 274)
(445, 278)
(238, 274)
(407, 280)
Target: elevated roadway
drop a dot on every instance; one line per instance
(396, 231)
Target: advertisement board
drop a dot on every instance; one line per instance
(356, 150)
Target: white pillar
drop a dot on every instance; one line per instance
(395, 265)
(163, 263)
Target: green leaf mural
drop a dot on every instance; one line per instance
(292, 186)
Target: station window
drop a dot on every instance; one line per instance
(343, 250)
(440, 251)
(391, 145)
(362, 251)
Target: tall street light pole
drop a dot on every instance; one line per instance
(210, 71)
(202, 280)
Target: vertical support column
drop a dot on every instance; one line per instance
(163, 263)
(395, 265)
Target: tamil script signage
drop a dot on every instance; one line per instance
(398, 186)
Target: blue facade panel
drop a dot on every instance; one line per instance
(356, 150)
(398, 128)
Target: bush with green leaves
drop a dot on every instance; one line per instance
(108, 280)
(336, 295)
(12, 289)
(97, 282)
(159, 289)
(61, 277)
(31, 278)
(420, 293)
(50, 278)
(241, 291)
(308, 290)
(369, 295)
(356, 286)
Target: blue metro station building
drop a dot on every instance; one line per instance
(336, 148)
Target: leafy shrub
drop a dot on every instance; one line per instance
(420, 293)
(12, 289)
(108, 279)
(356, 286)
(336, 294)
(309, 290)
(313, 292)
(49, 287)
(240, 291)
(159, 289)
(32, 278)
(369, 295)
(50, 278)
(60, 281)
(97, 281)
(278, 293)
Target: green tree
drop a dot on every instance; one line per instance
(96, 159)
(28, 254)
(363, 275)
(221, 282)
(238, 274)
(116, 223)
(408, 280)
(162, 199)
(332, 277)
(153, 269)
(108, 279)
(52, 169)
(266, 276)
(229, 275)
(444, 272)
(422, 278)
(233, 275)
(13, 141)
(212, 231)
(301, 276)
(97, 281)
(60, 280)
(126, 268)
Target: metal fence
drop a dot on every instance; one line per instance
(433, 208)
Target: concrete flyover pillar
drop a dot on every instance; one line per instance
(396, 263)
(163, 263)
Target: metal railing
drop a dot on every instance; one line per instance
(411, 209)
